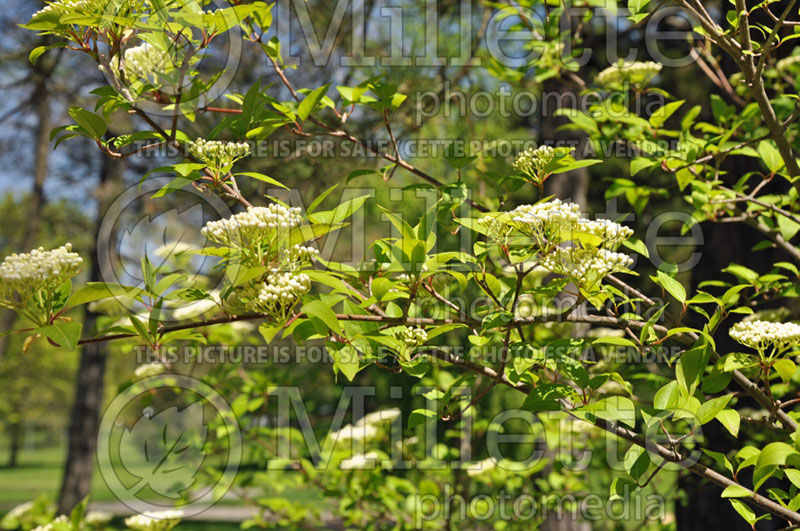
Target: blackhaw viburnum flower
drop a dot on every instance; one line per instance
(633, 73)
(154, 520)
(788, 64)
(83, 7)
(255, 228)
(260, 237)
(763, 335)
(35, 276)
(562, 241)
(534, 163)
(147, 63)
(218, 155)
(149, 369)
(410, 336)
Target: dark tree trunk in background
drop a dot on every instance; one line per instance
(86, 410)
(15, 433)
(571, 186)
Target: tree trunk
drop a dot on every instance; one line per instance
(86, 409)
(15, 441)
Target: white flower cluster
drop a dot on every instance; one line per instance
(788, 63)
(411, 337)
(20, 510)
(359, 432)
(63, 7)
(149, 369)
(590, 256)
(281, 290)
(382, 415)
(760, 335)
(532, 162)
(485, 465)
(154, 520)
(29, 272)
(254, 226)
(146, 62)
(259, 237)
(612, 234)
(360, 461)
(544, 222)
(586, 266)
(217, 154)
(633, 73)
(366, 427)
(299, 254)
(775, 314)
(98, 518)
(61, 522)
(275, 295)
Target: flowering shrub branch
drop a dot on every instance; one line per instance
(380, 314)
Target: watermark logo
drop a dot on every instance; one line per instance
(169, 442)
(163, 229)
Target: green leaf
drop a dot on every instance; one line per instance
(37, 52)
(637, 245)
(659, 117)
(420, 416)
(324, 313)
(785, 369)
(667, 397)
(616, 408)
(736, 361)
(78, 512)
(91, 122)
(730, 419)
(575, 165)
(637, 460)
(672, 286)
(311, 101)
(793, 476)
(616, 341)
(775, 454)
(709, 409)
(744, 511)
(736, 491)
(721, 459)
(340, 213)
(770, 155)
(637, 6)
(268, 332)
(63, 333)
(621, 488)
(641, 163)
(319, 199)
(263, 178)
(345, 359)
(690, 368)
(95, 291)
(544, 397)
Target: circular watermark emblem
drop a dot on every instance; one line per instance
(165, 230)
(169, 442)
(184, 67)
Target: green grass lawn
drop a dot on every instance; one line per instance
(39, 472)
